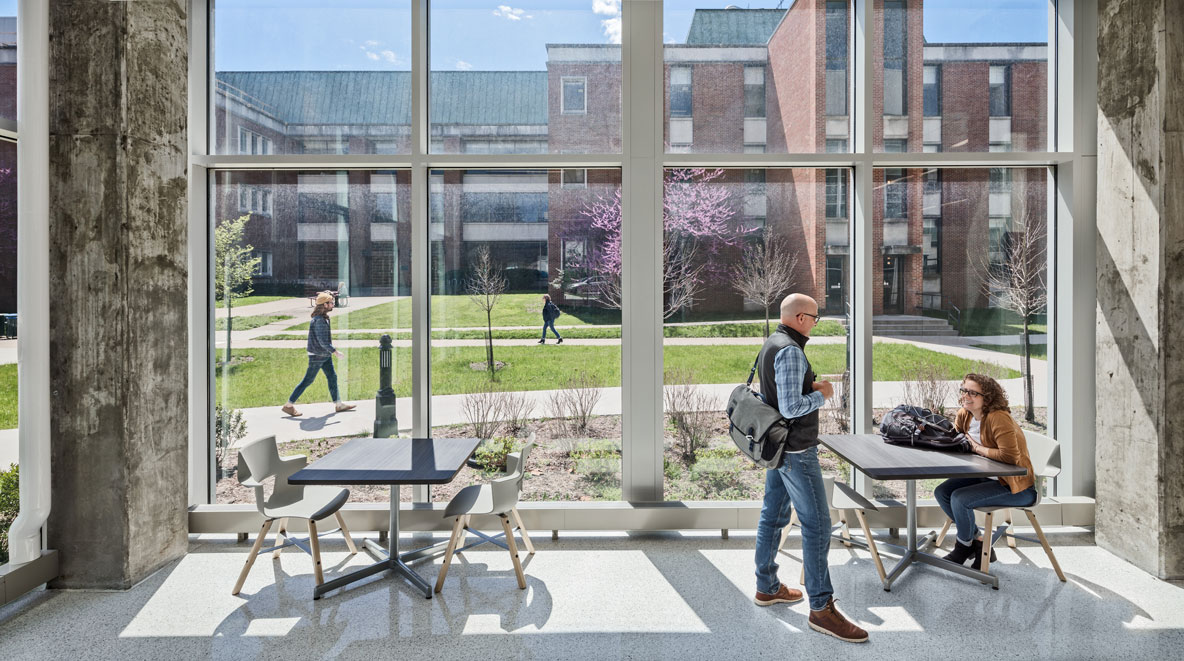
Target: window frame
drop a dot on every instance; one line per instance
(563, 107)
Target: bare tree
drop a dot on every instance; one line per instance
(485, 287)
(765, 273)
(681, 279)
(481, 407)
(1019, 283)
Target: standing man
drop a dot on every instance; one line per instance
(787, 381)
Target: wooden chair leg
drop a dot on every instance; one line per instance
(985, 563)
(871, 544)
(315, 543)
(522, 531)
(941, 537)
(1010, 538)
(1044, 542)
(845, 532)
(452, 544)
(802, 576)
(242, 577)
(349, 541)
(279, 537)
(513, 552)
(793, 519)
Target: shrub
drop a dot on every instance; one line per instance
(229, 428)
(597, 458)
(480, 408)
(572, 405)
(491, 454)
(10, 505)
(514, 409)
(925, 386)
(692, 410)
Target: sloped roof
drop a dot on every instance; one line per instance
(733, 27)
(384, 97)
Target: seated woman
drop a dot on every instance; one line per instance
(986, 419)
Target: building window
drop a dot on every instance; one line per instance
(575, 100)
(680, 91)
(252, 143)
(895, 194)
(931, 245)
(755, 199)
(836, 193)
(754, 91)
(1000, 94)
(1000, 180)
(263, 268)
(896, 146)
(836, 57)
(931, 90)
(573, 178)
(836, 145)
(573, 253)
(254, 199)
(895, 46)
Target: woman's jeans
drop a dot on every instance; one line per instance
(550, 324)
(796, 484)
(959, 496)
(316, 364)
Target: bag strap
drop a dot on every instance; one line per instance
(752, 372)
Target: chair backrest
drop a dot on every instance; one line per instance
(507, 489)
(1045, 454)
(260, 461)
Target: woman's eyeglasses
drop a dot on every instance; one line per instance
(973, 393)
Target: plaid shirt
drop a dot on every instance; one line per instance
(789, 372)
(320, 339)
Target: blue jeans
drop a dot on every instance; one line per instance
(316, 364)
(550, 323)
(958, 497)
(796, 484)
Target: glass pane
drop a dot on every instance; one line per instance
(964, 275)
(761, 78)
(8, 59)
(310, 77)
(737, 242)
(280, 238)
(8, 353)
(531, 79)
(960, 75)
(502, 241)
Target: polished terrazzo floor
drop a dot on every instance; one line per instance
(640, 596)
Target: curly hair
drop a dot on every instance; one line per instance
(994, 397)
(321, 311)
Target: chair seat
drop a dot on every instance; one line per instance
(996, 508)
(474, 499)
(318, 503)
(846, 498)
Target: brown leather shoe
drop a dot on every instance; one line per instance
(784, 596)
(290, 410)
(831, 622)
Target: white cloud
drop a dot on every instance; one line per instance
(612, 29)
(506, 11)
(389, 56)
(373, 56)
(369, 44)
(607, 7)
(461, 65)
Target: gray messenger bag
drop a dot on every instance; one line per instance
(756, 428)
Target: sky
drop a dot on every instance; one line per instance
(274, 35)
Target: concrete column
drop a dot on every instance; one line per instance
(118, 375)
(1140, 253)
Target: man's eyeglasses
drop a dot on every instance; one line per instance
(816, 317)
(973, 393)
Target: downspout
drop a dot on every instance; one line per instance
(32, 299)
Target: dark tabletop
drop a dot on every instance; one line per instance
(390, 461)
(882, 461)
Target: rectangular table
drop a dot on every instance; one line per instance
(393, 461)
(882, 461)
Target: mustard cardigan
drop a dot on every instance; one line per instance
(1003, 440)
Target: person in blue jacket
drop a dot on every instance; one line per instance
(550, 314)
(320, 356)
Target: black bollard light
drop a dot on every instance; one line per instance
(386, 425)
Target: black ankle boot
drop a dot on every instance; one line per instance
(960, 553)
(976, 551)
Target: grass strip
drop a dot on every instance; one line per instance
(1039, 351)
(739, 329)
(247, 323)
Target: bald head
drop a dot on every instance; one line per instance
(799, 312)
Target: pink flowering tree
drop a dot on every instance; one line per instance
(698, 212)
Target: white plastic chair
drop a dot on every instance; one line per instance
(843, 498)
(1045, 454)
(260, 461)
(499, 497)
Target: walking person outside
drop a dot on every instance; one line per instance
(550, 314)
(787, 382)
(320, 356)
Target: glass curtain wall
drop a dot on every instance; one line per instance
(9, 496)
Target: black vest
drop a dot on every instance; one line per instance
(804, 432)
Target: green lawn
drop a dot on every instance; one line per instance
(1039, 351)
(247, 323)
(254, 300)
(994, 321)
(268, 378)
(8, 396)
(740, 329)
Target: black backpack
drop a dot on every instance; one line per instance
(918, 427)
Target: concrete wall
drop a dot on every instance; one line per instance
(1140, 253)
(118, 73)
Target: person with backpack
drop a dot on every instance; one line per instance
(551, 312)
(787, 382)
(986, 420)
(320, 356)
